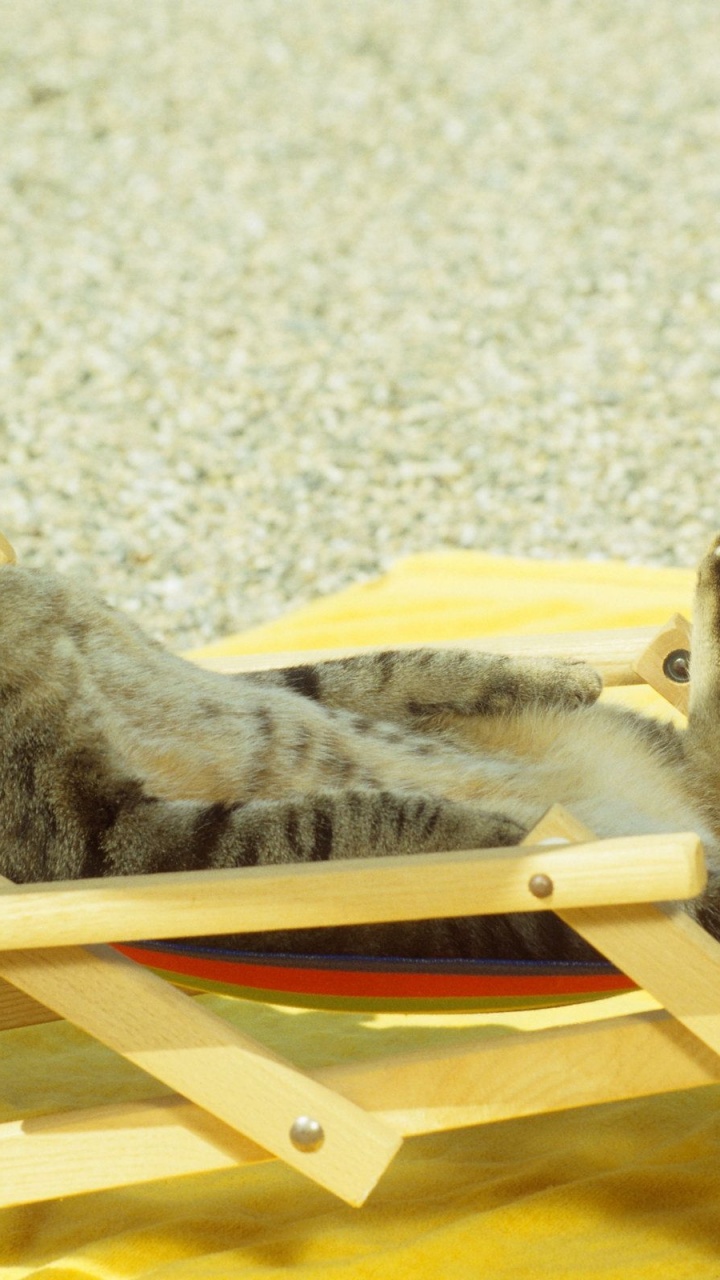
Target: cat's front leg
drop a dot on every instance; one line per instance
(413, 685)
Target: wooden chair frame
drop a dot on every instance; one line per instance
(235, 1102)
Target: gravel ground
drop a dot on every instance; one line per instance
(292, 288)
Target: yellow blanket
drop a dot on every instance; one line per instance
(625, 1190)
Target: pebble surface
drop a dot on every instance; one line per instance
(291, 288)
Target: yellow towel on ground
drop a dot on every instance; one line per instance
(627, 1190)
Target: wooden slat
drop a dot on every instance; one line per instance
(19, 1010)
(612, 652)
(664, 951)
(518, 1075)
(176, 904)
(660, 947)
(115, 1146)
(533, 1072)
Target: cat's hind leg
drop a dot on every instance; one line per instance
(159, 835)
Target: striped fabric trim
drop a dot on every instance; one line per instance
(387, 984)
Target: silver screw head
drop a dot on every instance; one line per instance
(540, 885)
(307, 1134)
(677, 666)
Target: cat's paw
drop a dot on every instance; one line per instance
(508, 832)
(483, 684)
(520, 683)
(465, 683)
(565, 682)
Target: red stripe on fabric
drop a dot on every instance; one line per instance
(359, 982)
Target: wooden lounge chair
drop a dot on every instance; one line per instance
(235, 1102)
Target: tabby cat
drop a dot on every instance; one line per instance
(118, 757)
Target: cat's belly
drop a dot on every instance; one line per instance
(592, 763)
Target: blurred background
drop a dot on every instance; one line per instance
(292, 288)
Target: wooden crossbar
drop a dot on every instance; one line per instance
(255, 899)
(523, 1073)
(614, 653)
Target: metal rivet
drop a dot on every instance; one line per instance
(540, 885)
(677, 666)
(307, 1134)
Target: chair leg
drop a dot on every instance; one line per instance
(203, 1058)
(660, 947)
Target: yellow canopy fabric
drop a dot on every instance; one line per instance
(627, 1190)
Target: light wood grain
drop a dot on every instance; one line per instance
(19, 1010)
(612, 652)
(660, 947)
(206, 1060)
(441, 1088)
(176, 904)
(650, 664)
(115, 1146)
(530, 1073)
(664, 951)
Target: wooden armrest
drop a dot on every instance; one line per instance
(479, 882)
(612, 652)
